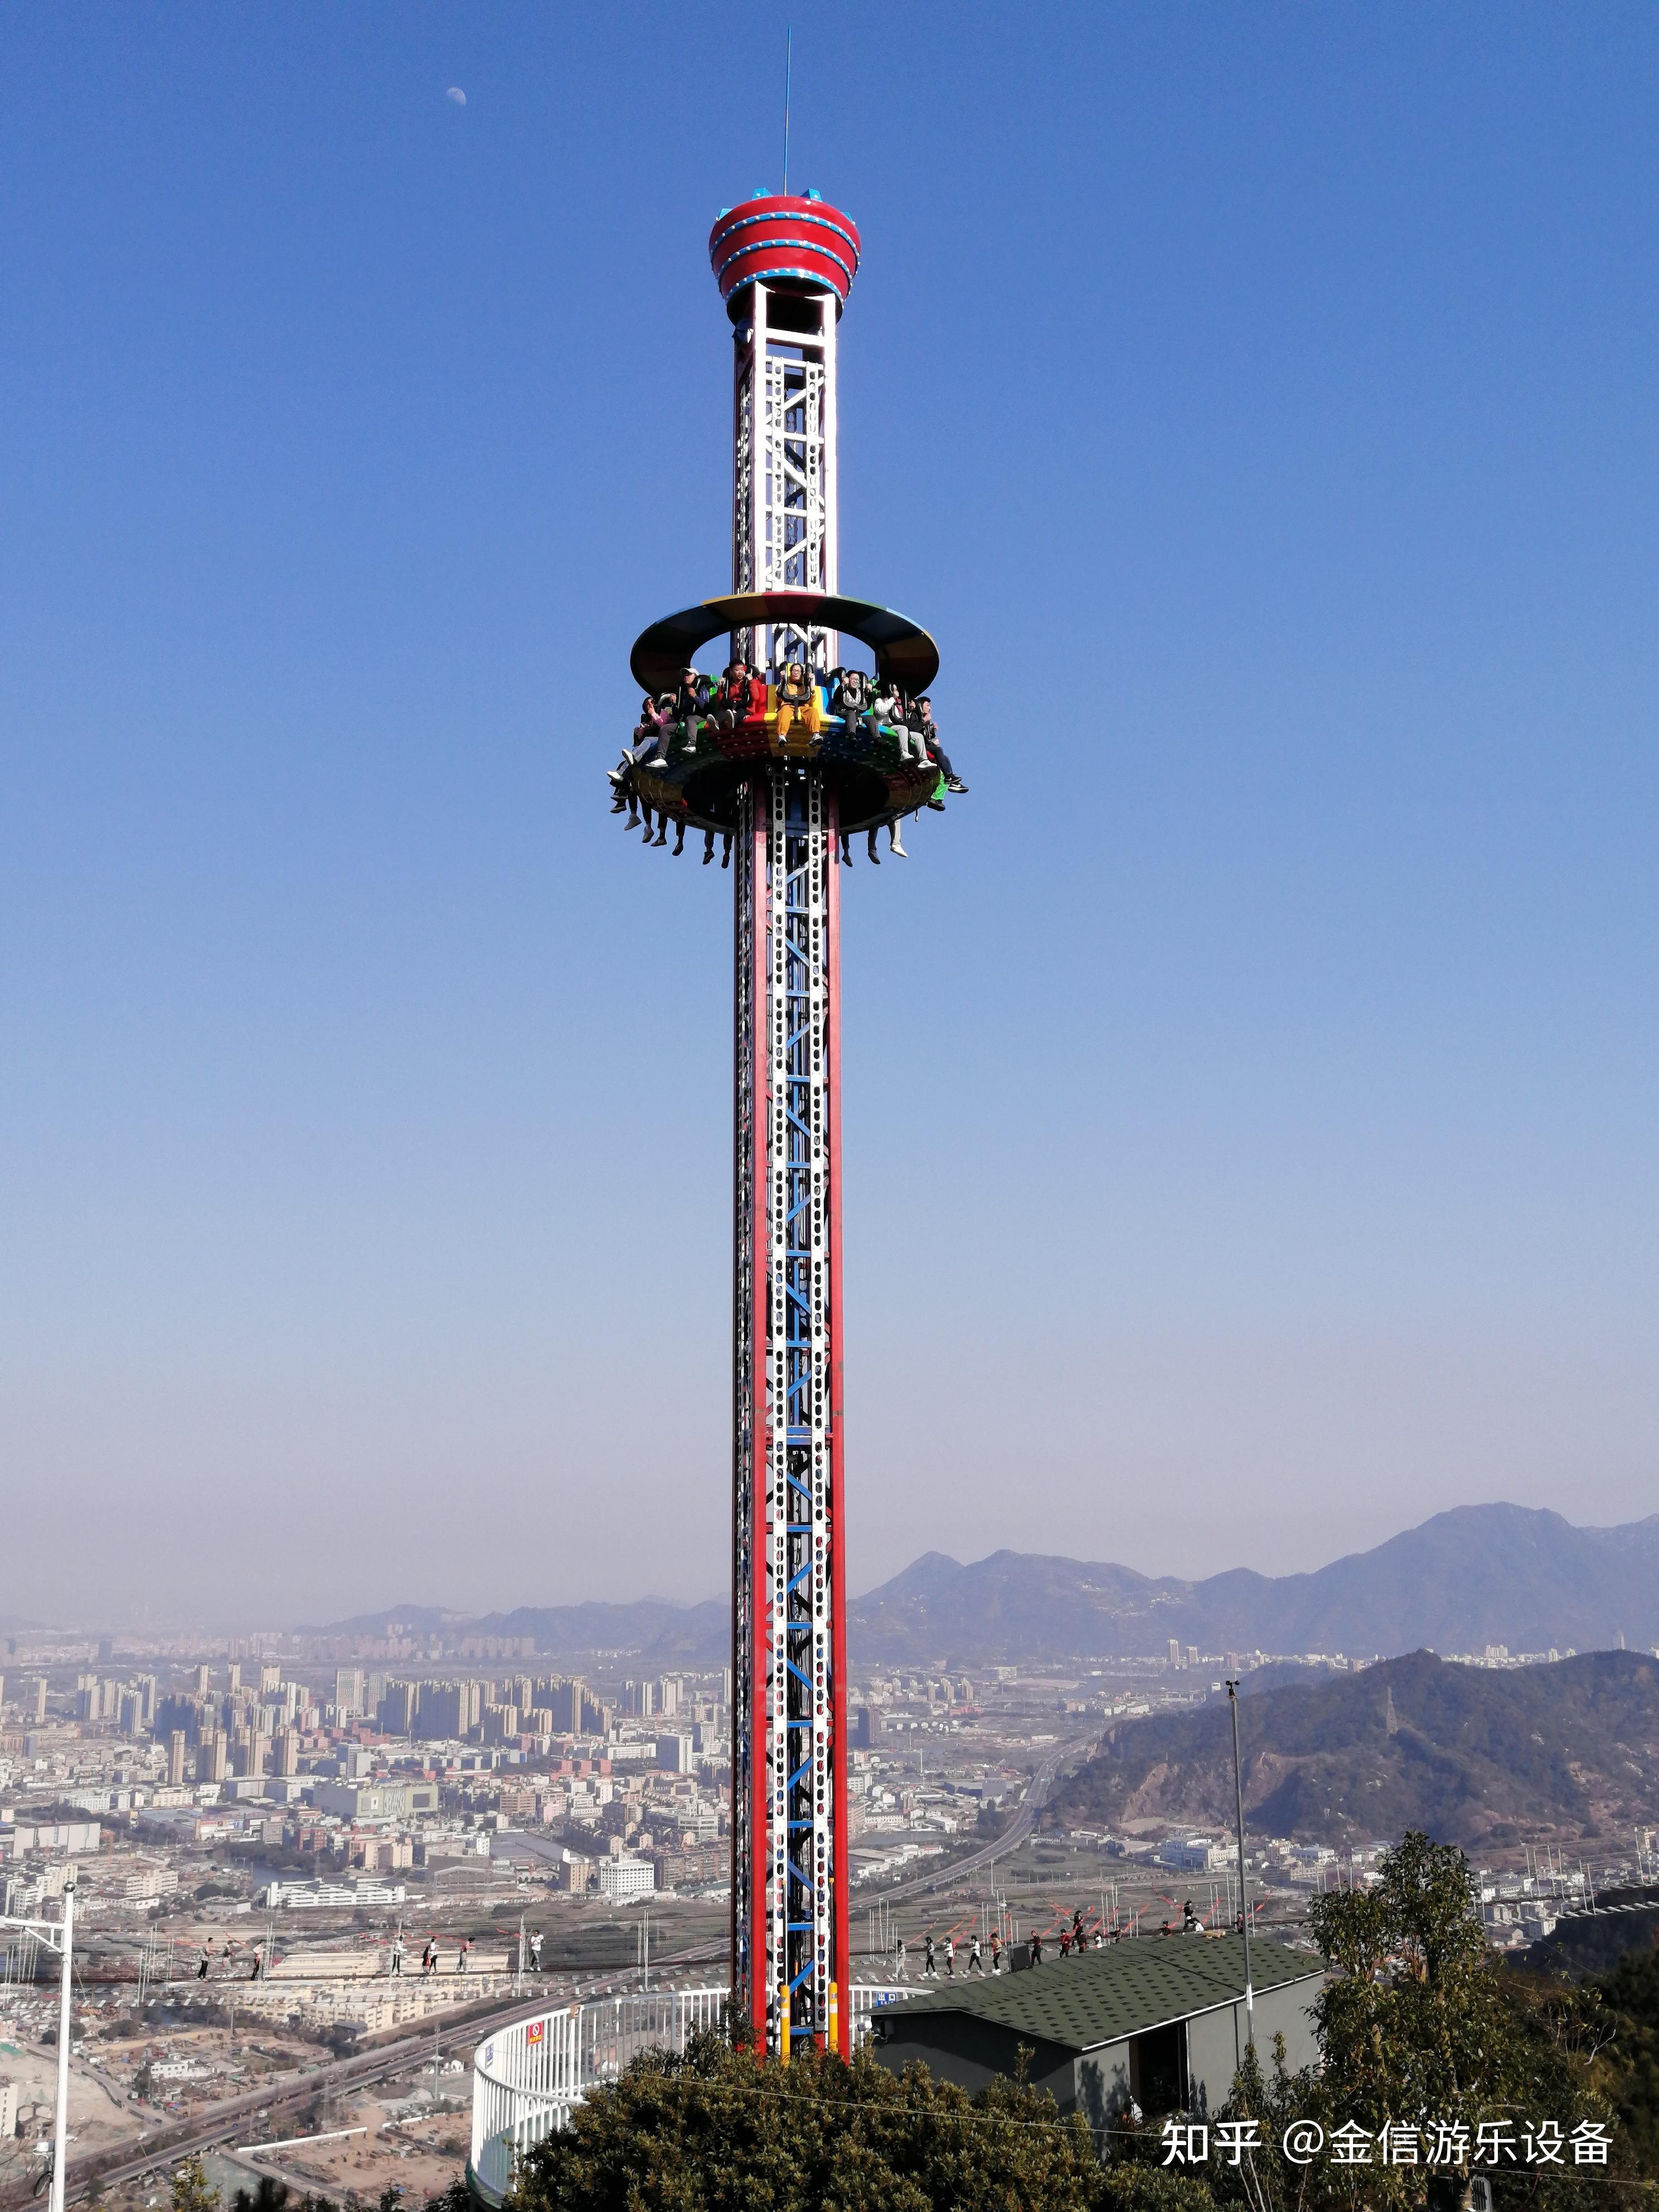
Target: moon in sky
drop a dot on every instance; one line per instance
(455, 94)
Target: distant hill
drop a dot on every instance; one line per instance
(1474, 1755)
(657, 1630)
(1480, 1575)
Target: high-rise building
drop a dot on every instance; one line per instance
(234, 1673)
(38, 1696)
(287, 1752)
(175, 1757)
(596, 1716)
(395, 1711)
(441, 1712)
(1192, 1655)
(668, 1694)
(212, 1757)
(674, 1753)
(270, 1677)
(349, 1690)
(565, 1702)
(1174, 1650)
(204, 1681)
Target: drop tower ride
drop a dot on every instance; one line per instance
(784, 784)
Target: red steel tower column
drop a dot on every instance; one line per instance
(785, 764)
(784, 267)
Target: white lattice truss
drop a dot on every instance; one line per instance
(783, 509)
(783, 892)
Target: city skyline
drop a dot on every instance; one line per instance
(1249, 1126)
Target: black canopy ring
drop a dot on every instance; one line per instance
(906, 656)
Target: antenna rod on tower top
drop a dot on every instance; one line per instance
(789, 58)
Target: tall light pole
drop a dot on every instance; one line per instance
(1243, 1893)
(59, 1936)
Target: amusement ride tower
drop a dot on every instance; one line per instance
(785, 784)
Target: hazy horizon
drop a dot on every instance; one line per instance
(287, 1622)
(1250, 1087)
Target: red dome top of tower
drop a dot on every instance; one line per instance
(798, 245)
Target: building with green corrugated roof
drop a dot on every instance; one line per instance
(1160, 2020)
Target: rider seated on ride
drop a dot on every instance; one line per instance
(692, 697)
(910, 731)
(929, 729)
(692, 704)
(656, 716)
(760, 701)
(650, 717)
(798, 700)
(883, 706)
(730, 700)
(850, 696)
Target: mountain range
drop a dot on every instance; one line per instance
(1477, 1575)
(1482, 1757)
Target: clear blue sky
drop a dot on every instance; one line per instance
(1250, 1098)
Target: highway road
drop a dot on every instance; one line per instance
(256, 2111)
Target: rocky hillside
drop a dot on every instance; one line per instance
(1477, 1756)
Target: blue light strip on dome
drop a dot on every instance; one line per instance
(778, 214)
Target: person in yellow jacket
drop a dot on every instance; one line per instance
(797, 701)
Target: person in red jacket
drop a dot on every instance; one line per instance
(756, 718)
(730, 702)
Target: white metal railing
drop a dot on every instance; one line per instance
(528, 2078)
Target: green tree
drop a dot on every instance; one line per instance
(1629, 2057)
(725, 2131)
(190, 2193)
(1419, 2025)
